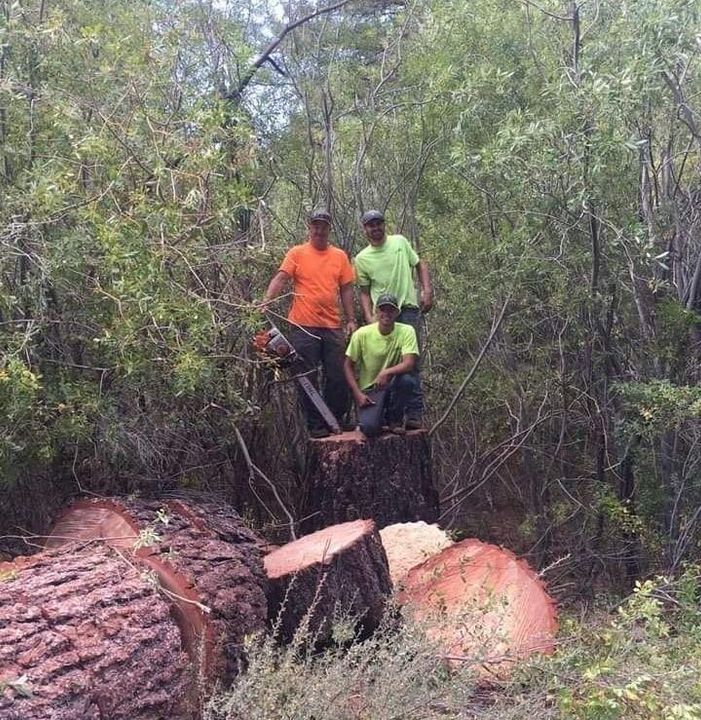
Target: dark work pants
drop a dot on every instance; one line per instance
(325, 347)
(415, 403)
(390, 404)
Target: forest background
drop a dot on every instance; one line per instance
(157, 158)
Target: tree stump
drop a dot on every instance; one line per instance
(206, 561)
(387, 478)
(482, 605)
(83, 635)
(342, 568)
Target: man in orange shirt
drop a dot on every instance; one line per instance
(319, 273)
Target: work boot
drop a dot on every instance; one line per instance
(414, 424)
(397, 428)
(319, 432)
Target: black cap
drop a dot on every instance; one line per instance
(387, 299)
(371, 215)
(319, 216)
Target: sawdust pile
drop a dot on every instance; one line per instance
(408, 544)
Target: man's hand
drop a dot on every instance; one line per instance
(382, 379)
(362, 400)
(426, 301)
(351, 327)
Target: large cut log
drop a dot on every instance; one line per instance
(482, 605)
(208, 563)
(409, 544)
(85, 636)
(387, 479)
(342, 568)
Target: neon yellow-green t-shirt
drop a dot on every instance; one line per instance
(371, 351)
(387, 268)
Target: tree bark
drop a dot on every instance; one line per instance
(388, 479)
(84, 635)
(207, 562)
(342, 568)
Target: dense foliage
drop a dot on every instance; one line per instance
(544, 159)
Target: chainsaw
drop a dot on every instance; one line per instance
(277, 349)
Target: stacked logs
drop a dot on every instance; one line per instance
(136, 608)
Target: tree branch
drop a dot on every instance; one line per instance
(274, 43)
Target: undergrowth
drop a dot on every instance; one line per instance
(641, 661)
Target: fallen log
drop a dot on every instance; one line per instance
(387, 478)
(482, 605)
(206, 561)
(409, 544)
(83, 635)
(341, 569)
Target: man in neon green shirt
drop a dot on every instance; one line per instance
(379, 362)
(387, 265)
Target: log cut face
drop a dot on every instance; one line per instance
(409, 544)
(207, 562)
(83, 635)
(387, 479)
(341, 568)
(482, 605)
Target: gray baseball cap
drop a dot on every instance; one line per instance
(319, 216)
(387, 299)
(371, 215)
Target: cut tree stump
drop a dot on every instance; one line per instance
(482, 605)
(387, 478)
(409, 544)
(207, 562)
(84, 636)
(342, 568)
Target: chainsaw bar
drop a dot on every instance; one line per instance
(313, 394)
(274, 346)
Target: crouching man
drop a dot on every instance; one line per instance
(378, 368)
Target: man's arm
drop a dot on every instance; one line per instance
(366, 304)
(276, 286)
(359, 396)
(347, 303)
(405, 366)
(426, 297)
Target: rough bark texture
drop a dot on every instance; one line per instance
(208, 563)
(482, 605)
(338, 569)
(387, 479)
(83, 636)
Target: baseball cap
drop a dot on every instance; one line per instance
(371, 215)
(387, 299)
(319, 216)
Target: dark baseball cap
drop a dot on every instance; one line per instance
(387, 299)
(371, 215)
(319, 216)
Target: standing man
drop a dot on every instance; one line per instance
(319, 273)
(386, 266)
(380, 360)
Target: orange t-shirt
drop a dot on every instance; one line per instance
(317, 275)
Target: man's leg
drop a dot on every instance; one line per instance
(308, 343)
(415, 403)
(401, 392)
(371, 417)
(336, 392)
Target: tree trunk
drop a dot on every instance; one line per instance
(342, 568)
(387, 479)
(207, 562)
(85, 635)
(482, 606)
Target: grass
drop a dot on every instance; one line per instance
(639, 661)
